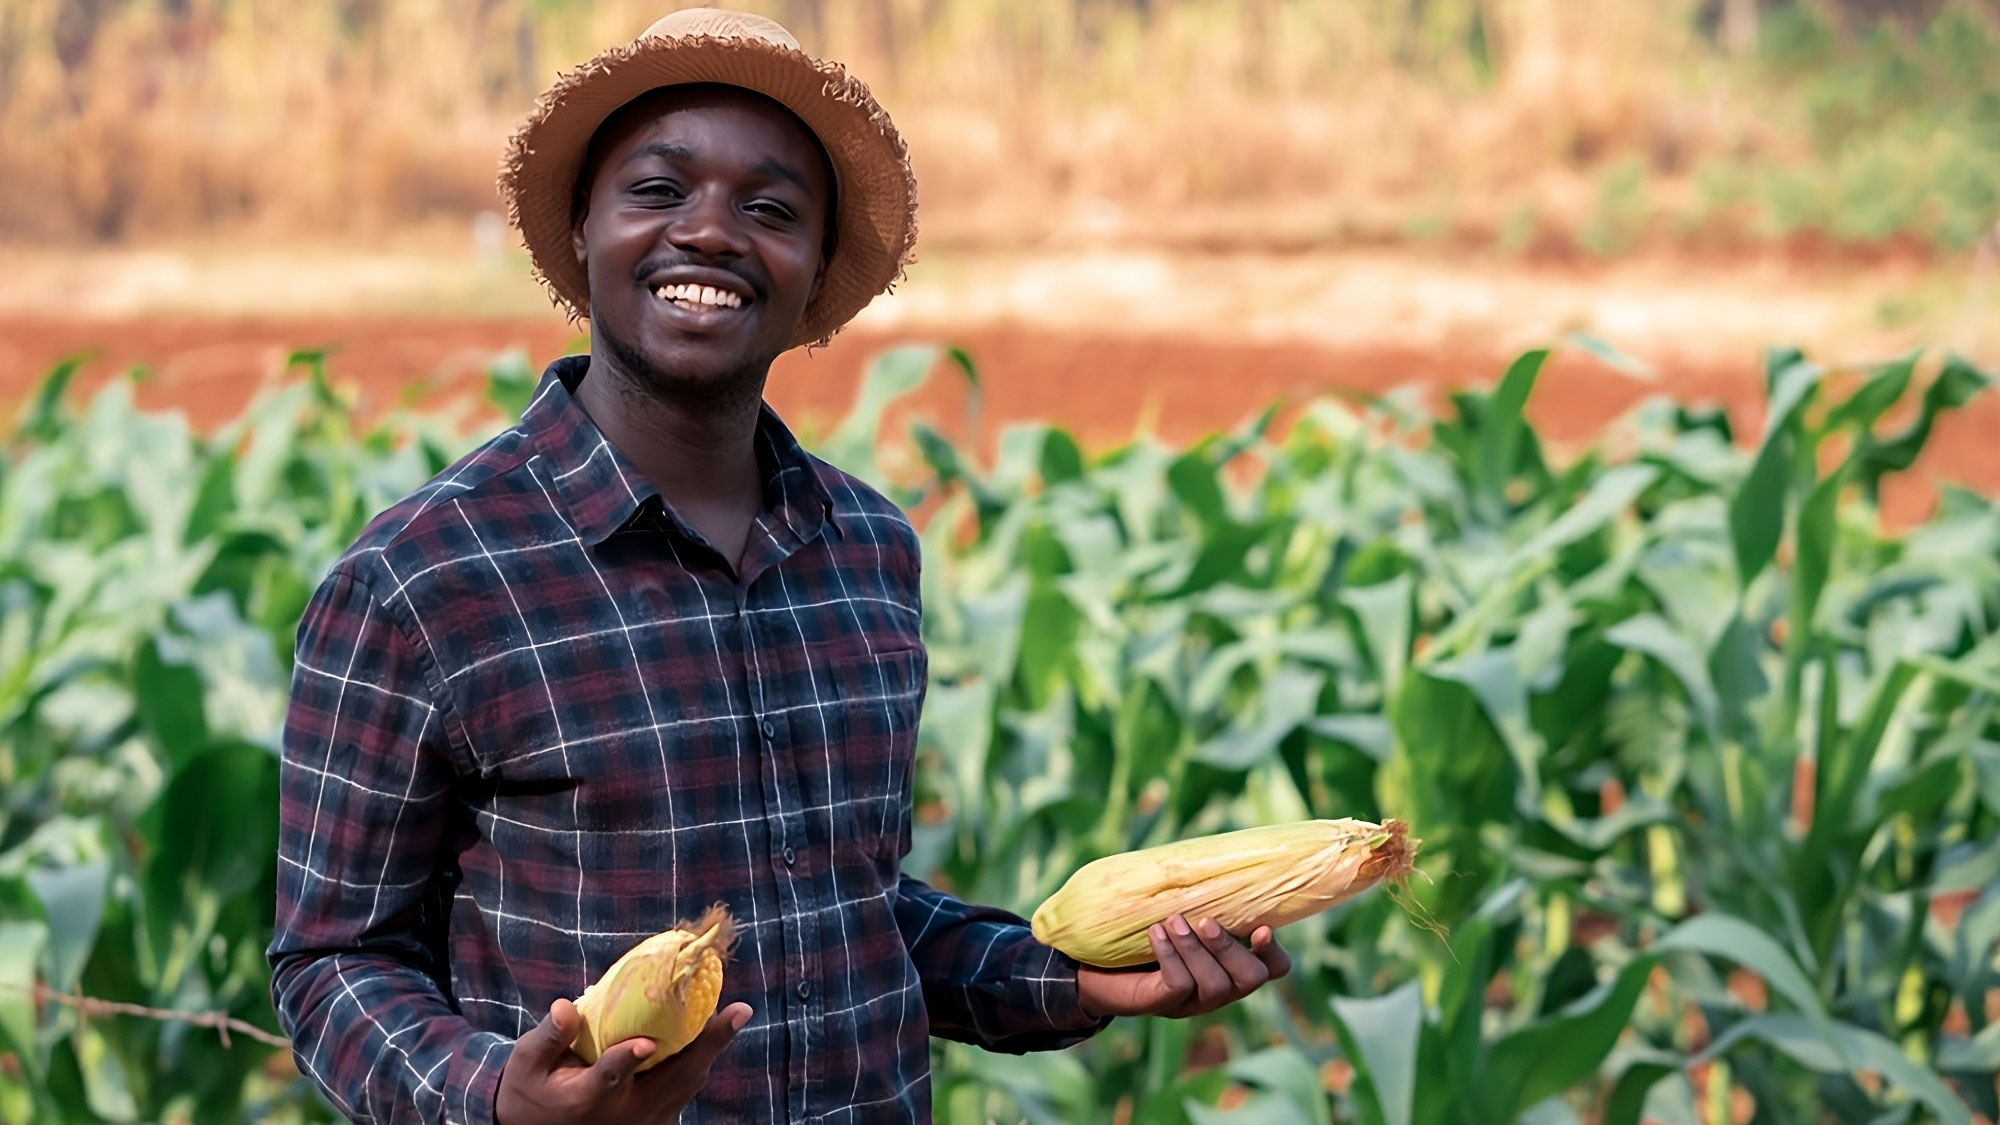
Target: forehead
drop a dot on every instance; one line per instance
(708, 122)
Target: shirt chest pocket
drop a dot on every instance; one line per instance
(880, 698)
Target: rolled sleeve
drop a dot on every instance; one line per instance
(986, 980)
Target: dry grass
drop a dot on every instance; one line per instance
(1265, 124)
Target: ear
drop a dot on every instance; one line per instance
(577, 244)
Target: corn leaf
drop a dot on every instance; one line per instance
(169, 700)
(43, 420)
(1757, 511)
(1617, 359)
(1553, 1054)
(1257, 1108)
(892, 375)
(1379, 1036)
(1842, 775)
(107, 1085)
(1383, 611)
(1291, 1081)
(204, 860)
(1503, 433)
(1818, 524)
(1956, 385)
(1884, 388)
(1632, 1093)
(1979, 1054)
(1494, 679)
(1650, 635)
(72, 899)
(1843, 1048)
(1719, 935)
(1609, 495)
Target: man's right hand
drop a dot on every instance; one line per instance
(543, 1082)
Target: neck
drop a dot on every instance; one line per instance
(698, 449)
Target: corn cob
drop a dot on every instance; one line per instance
(664, 989)
(1269, 876)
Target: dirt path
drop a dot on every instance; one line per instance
(1100, 386)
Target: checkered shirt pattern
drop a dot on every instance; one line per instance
(535, 718)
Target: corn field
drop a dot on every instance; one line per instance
(1706, 764)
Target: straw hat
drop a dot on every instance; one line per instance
(876, 223)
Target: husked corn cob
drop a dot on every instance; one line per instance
(1268, 876)
(664, 988)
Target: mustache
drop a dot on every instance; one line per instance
(660, 262)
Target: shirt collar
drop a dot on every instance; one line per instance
(602, 493)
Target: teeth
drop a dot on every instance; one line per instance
(699, 295)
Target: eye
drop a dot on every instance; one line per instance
(773, 209)
(657, 189)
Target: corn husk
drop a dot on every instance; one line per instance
(665, 988)
(1268, 876)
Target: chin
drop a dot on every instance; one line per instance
(693, 364)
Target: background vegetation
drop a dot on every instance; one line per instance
(1705, 759)
(1528, 125)
(1707, 765)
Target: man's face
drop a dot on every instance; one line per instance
(702, 236)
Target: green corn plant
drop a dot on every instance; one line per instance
(1668, 723)
(152, 579)
(1567, 677)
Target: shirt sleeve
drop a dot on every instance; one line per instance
(364, 777)
(986, 980)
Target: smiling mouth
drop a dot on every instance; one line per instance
(698, 297)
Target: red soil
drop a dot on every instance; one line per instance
(1101, 387)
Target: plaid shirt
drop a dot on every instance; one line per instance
(535, 718)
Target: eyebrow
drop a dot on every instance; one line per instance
(768, 166)
(663, 150)
(771, 166)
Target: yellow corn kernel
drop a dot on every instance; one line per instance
(1268, 876)
(665, 989)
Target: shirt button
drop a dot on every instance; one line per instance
(805, 989)
(770, 729)
(791, 857)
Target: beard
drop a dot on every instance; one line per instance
(739, 389)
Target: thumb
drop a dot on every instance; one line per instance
(549, 1040)
(1265, 945)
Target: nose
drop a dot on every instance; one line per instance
(708, 226)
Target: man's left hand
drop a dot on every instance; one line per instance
(1199, 968)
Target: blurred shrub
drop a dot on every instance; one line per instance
(1271, 124)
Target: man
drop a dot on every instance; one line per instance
(641, 653)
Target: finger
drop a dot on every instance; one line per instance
(1174, 976)
(616, 1065)
(549, 1040)
(1246, 970)
(1265, 945)
(1211, 981)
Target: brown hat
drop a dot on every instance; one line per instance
(876, 223)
